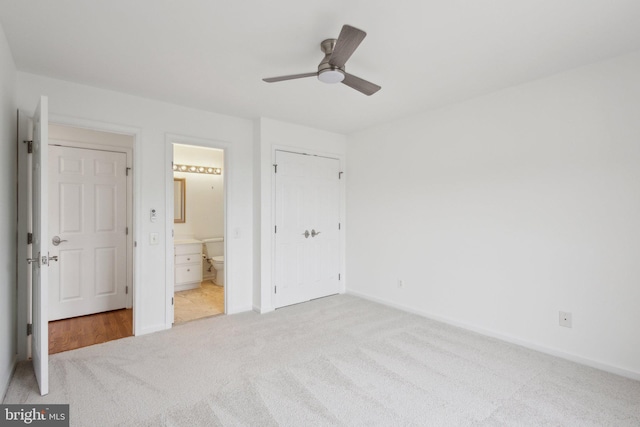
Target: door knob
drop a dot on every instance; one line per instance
(306, 234)
(314, 233)
(56, 240)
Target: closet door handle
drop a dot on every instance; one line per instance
(306, 234)
(314, 233)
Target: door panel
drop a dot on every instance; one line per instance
(70, 264)
(106, 208)
(88, 214)
(39, 264)
(70, 207)
(307, 199)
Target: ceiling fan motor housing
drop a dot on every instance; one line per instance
(328, 73)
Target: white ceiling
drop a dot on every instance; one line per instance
(212, 54)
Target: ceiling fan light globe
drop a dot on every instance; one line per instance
(331, 76)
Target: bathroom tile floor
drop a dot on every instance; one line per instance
(205, 301)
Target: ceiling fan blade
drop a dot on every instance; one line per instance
(348, 41)
(291, 77)
(360, 85)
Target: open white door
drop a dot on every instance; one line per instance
(88, 227)
(40, 262)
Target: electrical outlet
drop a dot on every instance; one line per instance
(565, 319)
(400, 283)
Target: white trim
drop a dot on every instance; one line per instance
(261, 311)
(241, 309)
(96, 125)
(168, 232)
(505, 337)
(170, 140)
(151, 329)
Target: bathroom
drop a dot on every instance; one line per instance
(199, 285)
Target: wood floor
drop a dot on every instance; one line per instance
(205, 301)
(77, 332)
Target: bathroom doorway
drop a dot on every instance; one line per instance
(199, 232)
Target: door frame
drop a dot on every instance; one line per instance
(133, 217)
(171, 139)
(272, 245)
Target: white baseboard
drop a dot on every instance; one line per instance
(505, 337)
(241, 309)
(152, 329)
(7, 375)
(260, 310)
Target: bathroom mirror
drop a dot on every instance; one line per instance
(179, 202)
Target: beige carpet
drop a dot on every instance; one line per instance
(335, 361)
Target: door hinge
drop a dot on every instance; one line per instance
(29, 329)
(275, 168)
(29, 238)
(126, 171)
(339, 225)
(275, 228)
(338, 276)
(135, 244)
(126, 290)
(340, 175)
(126, 231)
(171, 300)
(275, 289)
(29, 146)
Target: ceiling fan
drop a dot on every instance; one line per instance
(336, 54)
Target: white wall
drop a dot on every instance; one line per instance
(8, 293)
(153, 120)
(500, 211)
(271, 135)
(205, 193)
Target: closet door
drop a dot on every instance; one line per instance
(307, 208)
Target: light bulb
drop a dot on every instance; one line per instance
(331, 76)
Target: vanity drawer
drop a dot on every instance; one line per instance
(192, 248)
(188, 259)
(188, 273)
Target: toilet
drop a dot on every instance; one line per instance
(215, 257)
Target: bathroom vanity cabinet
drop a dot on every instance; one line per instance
(188, 264)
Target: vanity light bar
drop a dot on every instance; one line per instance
(197, 169)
